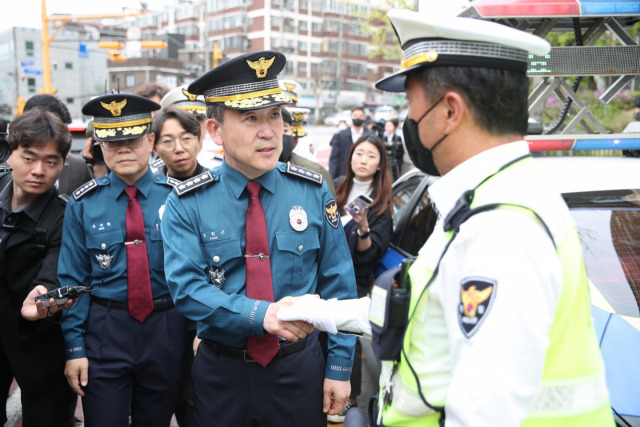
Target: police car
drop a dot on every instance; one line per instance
(603, 194)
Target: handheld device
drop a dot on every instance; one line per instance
(358, 205)
(62, 295)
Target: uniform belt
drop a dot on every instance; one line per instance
(239, 353)
(159, 304)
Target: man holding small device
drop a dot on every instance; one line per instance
(31, 213)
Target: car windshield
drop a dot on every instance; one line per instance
(609, 227)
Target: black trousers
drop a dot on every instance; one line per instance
(134, 368)
(288, 392)
(36, 360)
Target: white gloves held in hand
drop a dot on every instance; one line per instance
(347, 316)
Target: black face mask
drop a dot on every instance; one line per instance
(287, 148)
(636, 116)
(358, 122)
(420, 156)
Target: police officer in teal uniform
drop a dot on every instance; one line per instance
(121, 363)
(204, 236)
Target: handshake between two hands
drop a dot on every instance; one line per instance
(345, 316)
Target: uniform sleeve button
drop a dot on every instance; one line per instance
(216, 259)
(300, 248)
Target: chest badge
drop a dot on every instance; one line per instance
(476, 298)
(104, 260)
(298, 218)
(217, 277)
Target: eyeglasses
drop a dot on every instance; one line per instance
(169, 143)
(114, 145)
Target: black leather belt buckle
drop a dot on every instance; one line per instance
(246, 357)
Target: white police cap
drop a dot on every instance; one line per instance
(430, 41)
(181, 98)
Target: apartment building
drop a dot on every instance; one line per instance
(327, 43)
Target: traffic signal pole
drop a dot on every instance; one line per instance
(46, 40)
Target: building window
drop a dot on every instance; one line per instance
(68, 65)
(304, 4)
(316, 47)
(29, 47)
(289, 5)
(316, 27)
(276, 21)
(290, 68)
(130, 80)
(314, 68)
(302, 46)
(304, 26)
(302, 66)
(31, 83)
(317, 6)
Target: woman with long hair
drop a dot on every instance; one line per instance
(368, 229)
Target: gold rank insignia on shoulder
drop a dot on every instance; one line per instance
(261, 66)
(114, 107)
(304, 173)
(476, 299)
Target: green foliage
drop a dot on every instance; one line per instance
(380, 30)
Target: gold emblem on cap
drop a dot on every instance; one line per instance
(189, 95)
(114, 107)
(431, 56)
(290, 86)
(261, 66)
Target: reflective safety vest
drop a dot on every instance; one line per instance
(572, 390)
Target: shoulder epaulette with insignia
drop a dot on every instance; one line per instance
(4, 169)
(63, 199)
(156, 164)
(84, 189)
(172, 181)
(195, 182)
(304, 173)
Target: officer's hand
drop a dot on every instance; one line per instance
(336, 395)
(288, 330)
(196, 344)
(77, 373)
(32, 310)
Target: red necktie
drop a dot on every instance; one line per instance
(259, 284)
(138, 278)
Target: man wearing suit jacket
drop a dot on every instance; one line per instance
(342, 141)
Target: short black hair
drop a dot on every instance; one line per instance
(49, 103)
(497, 98)
(187, 120)
(286, 116)
(37, 127)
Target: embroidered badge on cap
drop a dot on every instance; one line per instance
(261, 66)
(115, 107)
(476, 298)
(190, 96)
(330, 212)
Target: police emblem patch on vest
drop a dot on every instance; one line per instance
(476, 298)
(331, 213)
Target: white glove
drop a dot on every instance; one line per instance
(311, 309)
(332, 315)
(352, 315)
